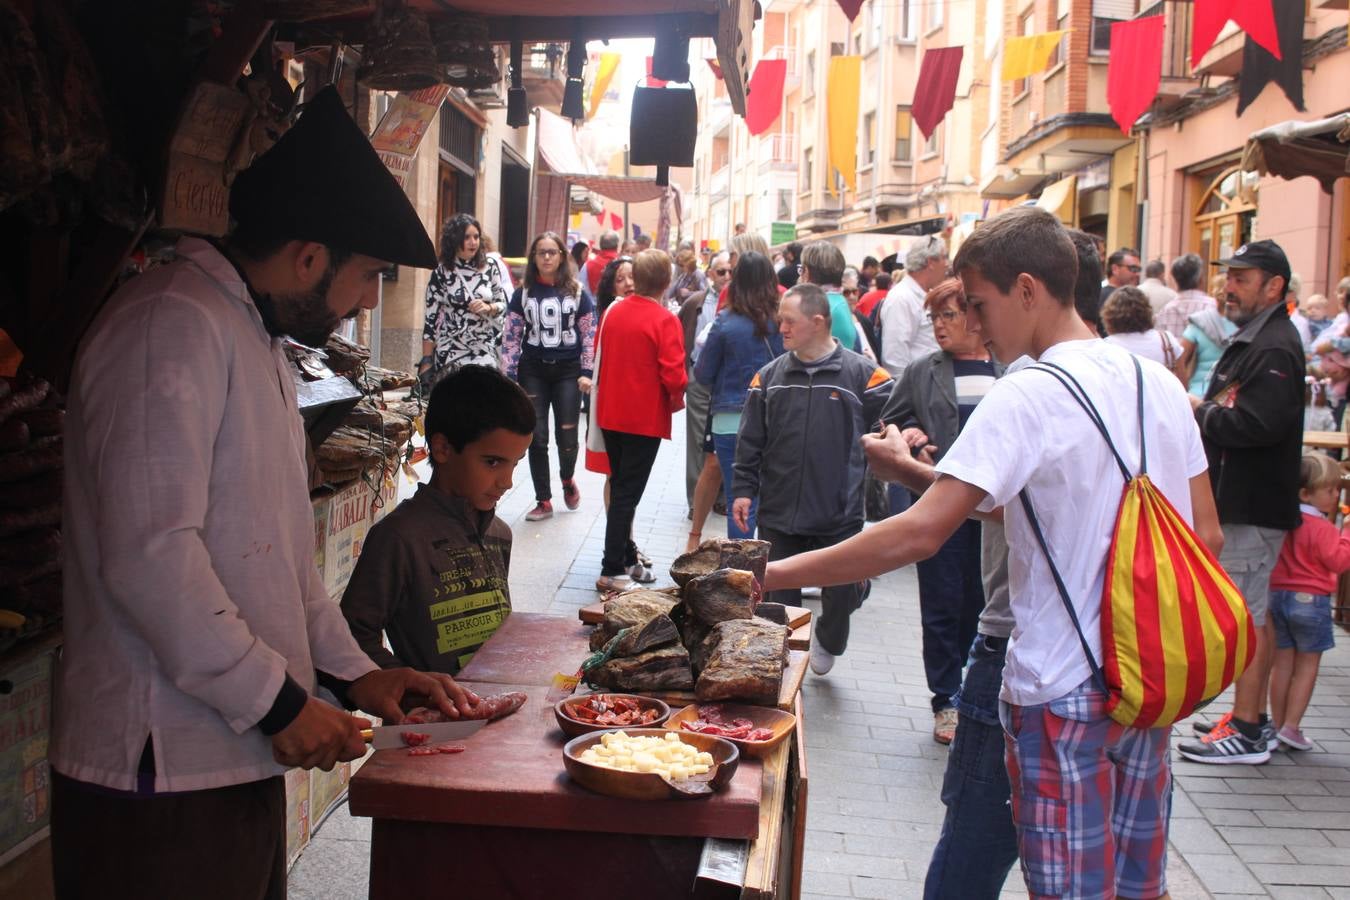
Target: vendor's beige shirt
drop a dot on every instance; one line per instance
(190, 584)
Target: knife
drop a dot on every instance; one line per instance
(387, 737)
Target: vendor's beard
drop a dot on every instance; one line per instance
(304, 317)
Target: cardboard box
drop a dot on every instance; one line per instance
(349, 519)
(297, 813)
(327, 788)
(25, 729)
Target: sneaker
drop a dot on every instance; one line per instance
(944, 725)
(1267, 727)
(822, 660)
(1293, 738)
(571, 495)
(1225, 745)
(811, 593)
(542, 510)
(641, 574)
(643, 559)
(613, 584)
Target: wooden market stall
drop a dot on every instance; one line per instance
(122, 127)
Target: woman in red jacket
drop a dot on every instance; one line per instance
(641, 385)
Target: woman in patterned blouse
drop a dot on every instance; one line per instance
(465, 304)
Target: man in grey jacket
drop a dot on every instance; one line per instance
(798, 451)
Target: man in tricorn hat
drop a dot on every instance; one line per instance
(196, 623)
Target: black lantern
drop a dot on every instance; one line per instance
(670, 57)
(663, 129)
(517, 107)
(573, 106)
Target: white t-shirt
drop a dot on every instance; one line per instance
(1147, 344)
(1029, 432)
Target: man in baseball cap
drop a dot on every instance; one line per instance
(1251, 419)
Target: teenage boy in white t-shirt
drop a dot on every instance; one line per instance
(1073, 769)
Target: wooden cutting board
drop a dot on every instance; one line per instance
(793, 676)
(529, 648)
(511, 774)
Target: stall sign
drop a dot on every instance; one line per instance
(297, 813)
(25, 726)
(402, 127)
(194, 197)
(349, 518)
(326, 789)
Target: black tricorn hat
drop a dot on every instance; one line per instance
(324, 182)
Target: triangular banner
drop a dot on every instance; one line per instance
(1025, 56)
(1256, 17)
(935, 91)
(765, 100)
(1259, 67)
(851, 8)
(841, 107)
(1135, 69)
(604, 73)
(615, 222)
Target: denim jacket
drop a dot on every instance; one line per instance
(732, 356)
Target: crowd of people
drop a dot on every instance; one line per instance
(801, 377)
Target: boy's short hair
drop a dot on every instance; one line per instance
(473, 400)
(1022, 240)
(651, 273)
(812, 298)
(826, 262)
(1317, 469)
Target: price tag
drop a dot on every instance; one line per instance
(563, 686)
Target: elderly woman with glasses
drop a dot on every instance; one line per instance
(930, 405)
(549, 348)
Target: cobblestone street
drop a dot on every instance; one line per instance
(1279, 830)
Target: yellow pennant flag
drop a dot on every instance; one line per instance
(1025, 56)
(841, 92)
(604, 73)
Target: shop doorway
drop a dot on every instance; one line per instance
(1224, 214)
(515, 207)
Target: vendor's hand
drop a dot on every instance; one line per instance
(584, 384)
(480, 307)
(740, 512)
(379, 693)
(320, 737)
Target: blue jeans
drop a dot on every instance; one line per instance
(900, 498)
(724, 445)
(978, 844)
(951, 597)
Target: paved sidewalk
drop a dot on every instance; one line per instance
(1280, 830)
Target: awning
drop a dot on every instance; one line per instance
(559, 164)
(1060, 199)
(1319, 148)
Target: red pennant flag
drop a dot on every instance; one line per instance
(1135, 68)
(935, 91)
(765, 100)
(850, 8)
(1256, 17)
(653, 82)
(615, 222)
(600, 219)
(716, 67)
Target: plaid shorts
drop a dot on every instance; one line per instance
(1091, 798)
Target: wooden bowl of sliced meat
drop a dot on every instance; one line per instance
(755, 730)
(599, 712)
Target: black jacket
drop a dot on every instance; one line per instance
(925, 398)
(1252, 423)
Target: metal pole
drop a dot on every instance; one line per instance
(627, 225)
(534, 187)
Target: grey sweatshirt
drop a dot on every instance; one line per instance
(433, 575)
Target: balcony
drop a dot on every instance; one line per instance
(719, 185)
(794, 72)
(1177, 80)
(544, 73)
(778, 152)
(1225, 57)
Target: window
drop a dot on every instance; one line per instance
(1101, 36)
(993, 27)
(1026, 25)
(1061, 24)
(809, 79)
(872, 26)
(904, 126)
(935, 14)
(933, 145)
(857, 44)
(869, 132)
(907, 20)
(784, 205)
(837, 48)
(806, 170)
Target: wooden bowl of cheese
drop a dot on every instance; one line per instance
(650, 763)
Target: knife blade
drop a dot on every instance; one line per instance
(387, 737)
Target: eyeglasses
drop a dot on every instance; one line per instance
(547, 254)
(1135, 269)
(849, 292)
(947, 315)
(721, 271)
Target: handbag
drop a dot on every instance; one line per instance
(1175, 629)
